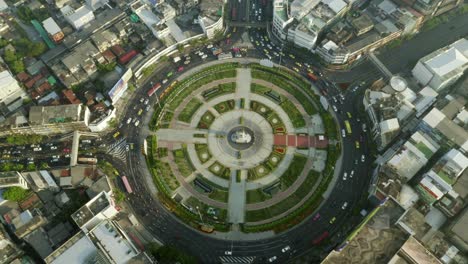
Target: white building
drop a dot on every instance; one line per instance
(96, 4)
(10, 91)
(444, 66)
(12, 179)
(100, 208)
(78, 18)
(105, 243)
(210, 25)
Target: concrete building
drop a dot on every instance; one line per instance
(48, 120)
(40, 180)
(412, 156)
(100, 208)
(54, 31)
(96, 4)
(11, 94)
(104, 39)
(9, 251)
(151, 20)
(458, 233)
(78, 18)
(105, 243)
(390, 106)
(437, 123)
(413, 252)
(442, 67)
(211, 18)
(432, 8)
(302, 21)
(12, 179)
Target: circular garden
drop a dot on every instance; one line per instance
(241, 144)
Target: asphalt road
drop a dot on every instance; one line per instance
(171, 230)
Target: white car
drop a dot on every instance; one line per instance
(285, 249)
(343, 133)
(344, 205)
(137, 123)
(141, 100)
(351, 174)
(363, 158)
(334, 108)
(272, 259)
(344, 176)
(146, 101)
(53, 148)
(228, 253)
(164, 81)
(129, 120)
(37, 149)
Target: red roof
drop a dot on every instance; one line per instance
(117, 50)
(22, 76)
(71, 97)
(45, 86)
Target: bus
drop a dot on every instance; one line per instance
(128, 188)
(87, 160)
(348, 127)
(153, 89)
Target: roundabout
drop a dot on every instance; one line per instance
(245, 153)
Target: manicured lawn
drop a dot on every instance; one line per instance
(186, 114)
(256, 196)
(182, 160)
(293, 171)
(220, 171)
(162, 171)
(221, 89)
(203, 208)
(294, 115)
(257, 172)
(206, 120)
(202, 152)
(225, 106)
(219, 195)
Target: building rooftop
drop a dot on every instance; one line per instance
(413, 252)
(89, 210)
(39, 115)
(460, 226)
(389, 125)
(447, 62)
(376, 242)
(50, 26)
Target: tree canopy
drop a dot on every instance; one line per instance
(15, 194)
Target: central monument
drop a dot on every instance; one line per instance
(241, 137)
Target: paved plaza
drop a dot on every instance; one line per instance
(228, 164)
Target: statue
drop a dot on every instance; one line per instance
(241, 137)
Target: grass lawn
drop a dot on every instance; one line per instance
(189, 110)
(202, 152)
(220, 171)
(206, 120)
(256, 196)
(182, 160)
(219, 195)
(287, 203)
(296, 117)
(221, 89)
(164, 172)
(225, 106)
(293, 171)
(193, 202)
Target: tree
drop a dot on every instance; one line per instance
(31, 167)
(17, 66)
(9, 56)
(44, 166)
(171, 254)
(104, 68)
(37, 49)
(113, 123)
(119, 196)
(180, 48)
(131, 87)
(15, 194)
(3, 42)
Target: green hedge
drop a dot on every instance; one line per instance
(182, 159)
(186, 114)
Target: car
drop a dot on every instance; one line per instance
(53, 148)
(141, 100)
(298, 64)
(332, 220)
(272, 259)
(228, 253)
(363, 158)
(37, 149)
(116, 134)
(335, 100)
(356, 162)
(351, 174)
(67, 150)
(357, 119)
(285, 249)
(165, 80)
(357, 144)
(181, 68)
(364, 128)
(140, 112)
(147, 108)
(186, 62)
(348, 114)
(56, 157)
(129, 120)
(334, 108)
(292, 56)
(343, 133)
(127, 148)
(54, 160)
(316, 217)
(30, 159)
(296, 69)
(137, 123)
(146, 101)
(344, 205)
(67, 156)
(345, 176)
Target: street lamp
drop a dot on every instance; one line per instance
(198, 210)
